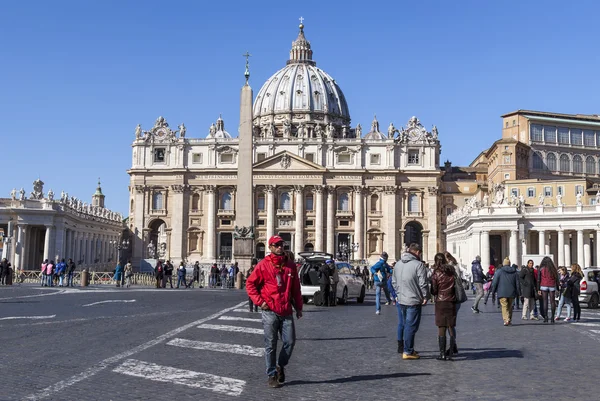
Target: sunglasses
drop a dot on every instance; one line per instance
(278, 245)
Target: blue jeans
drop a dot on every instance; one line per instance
(563, 301)
(181, 279)
(49, 279)
(70, 279)
(61, 279)
(409, 321)
(378, 287)
(274, 324)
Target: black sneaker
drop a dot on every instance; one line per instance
(280, 375)
(273, 383)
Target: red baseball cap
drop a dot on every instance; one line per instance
(275, 239)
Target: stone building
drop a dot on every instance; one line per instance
(41, 226)
(540, 198)
(319, 183)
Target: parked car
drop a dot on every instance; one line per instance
(349, 286)
(590, 293)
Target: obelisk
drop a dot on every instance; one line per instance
(243, 246)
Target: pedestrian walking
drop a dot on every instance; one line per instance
(506, 285)
(44, 279)
(478, 280)
(214, 274)
(452, 262)
(516, 304)
(380, 271)
(366, 277)
(489, 276)
(118, 273)
(168, 276)
(61, 268)
(528, 290)
(573, 284)
(4, 269)
(50, 273)
(442, 286)
(275, 286)
(335, 279)
(224, 274)
(181, 272)
(565, 294)
(412, 288)
(128, 273)
(196, 274)
(159, 274)
(547, 286)
(325, 281)
(70, 272)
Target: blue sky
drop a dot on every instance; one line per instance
(76, 77)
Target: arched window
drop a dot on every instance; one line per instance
(195, 202)
(538, 163)
(260, 202)
(590, 165)
(226, 201)
(157, 201)
(285, 202)
(374, 202)
(551, 162)
(565, 165)
(343, 202)
(413, 202)
(577, 164)
(309, 203)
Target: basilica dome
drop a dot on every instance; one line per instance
(300, 94)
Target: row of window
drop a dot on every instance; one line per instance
(565, 165)
(285, 202)
(547, 191)
(564, 136)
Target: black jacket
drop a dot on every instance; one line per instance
(573, 289)
(324, 273)
(71, 267)
(528, 282)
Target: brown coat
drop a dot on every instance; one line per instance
(442, 284)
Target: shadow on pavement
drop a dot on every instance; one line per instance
(493, 353)
(338, 338)
(355, 378)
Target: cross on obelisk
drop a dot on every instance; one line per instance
(301, 20)
(247, 73)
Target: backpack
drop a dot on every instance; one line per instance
(318, 298)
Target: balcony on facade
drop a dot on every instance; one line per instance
(414, 214)
(285, 212)
(344, 213)
(158, 212)
(226, 213)
(375, 213)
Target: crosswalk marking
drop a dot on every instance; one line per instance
(243, 310)
(588, 324)
(240, 319)
(235, 329)
(595, 331)
(167, 374)
(218, 347)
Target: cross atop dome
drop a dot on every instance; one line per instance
(301, 51)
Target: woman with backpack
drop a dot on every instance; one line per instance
(442, 287)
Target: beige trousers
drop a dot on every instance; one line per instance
(506, 304)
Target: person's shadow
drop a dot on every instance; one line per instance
(347, 379)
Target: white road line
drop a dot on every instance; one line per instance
(243, 310)
(235, 329)
(167, 374)
(27, 317)
(240, 319)
(587, 324)
(110, 301)
(100, 366)
(595, 331)
(41, 295)
(218, 347)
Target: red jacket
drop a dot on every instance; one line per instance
(262, 286)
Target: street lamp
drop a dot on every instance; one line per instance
(122, 244)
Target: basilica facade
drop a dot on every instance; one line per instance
(318, 182)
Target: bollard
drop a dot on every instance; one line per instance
(85, 278)
(239, 281)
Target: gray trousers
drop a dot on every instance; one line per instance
(479, 289)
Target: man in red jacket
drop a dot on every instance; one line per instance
(274, 286)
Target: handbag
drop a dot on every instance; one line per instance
(459, 290)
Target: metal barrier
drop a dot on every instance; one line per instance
(95, 278)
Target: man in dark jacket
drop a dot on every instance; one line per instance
(168, 274)
(335, 279)
(506, 285)
(325, 283)
(70, 272)
(478, 280)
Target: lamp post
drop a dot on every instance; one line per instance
(354, 248)
(122, 244)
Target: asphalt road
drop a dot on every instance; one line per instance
(147, 344)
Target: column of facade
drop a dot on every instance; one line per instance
(514, 247)
(18, 259)
(269, 192)
(67, 244)
(485, 250)
(425, 256)
(299, 232)
(211, 228)
(358, 222)
(597, 242)
(331, 220)
(47, 238)
(567, 250)
(390, 224)
(541, 242)
(177, 208)
(580, 257)
(561, 248)
(318, 191)
(587, 252)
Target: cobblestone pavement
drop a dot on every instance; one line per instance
(146, 344)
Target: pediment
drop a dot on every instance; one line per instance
(286, 161)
